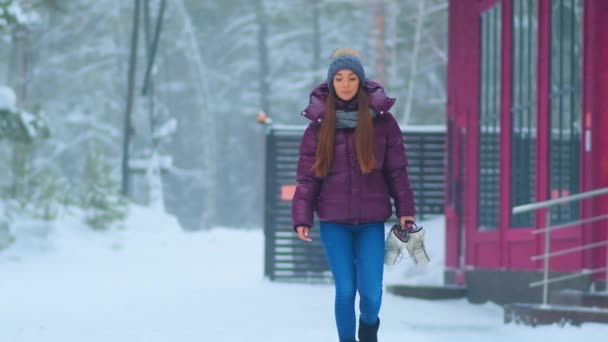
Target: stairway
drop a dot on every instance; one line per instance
(567, 307)
(428, 291)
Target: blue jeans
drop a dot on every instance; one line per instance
(355, 254)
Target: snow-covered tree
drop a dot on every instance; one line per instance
(218, 64)
(16, 12)
(103, 205)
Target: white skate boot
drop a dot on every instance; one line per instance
(401, 239)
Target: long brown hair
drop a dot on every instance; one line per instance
(364, 135)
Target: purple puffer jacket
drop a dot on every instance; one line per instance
(346, 195)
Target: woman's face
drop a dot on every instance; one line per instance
(346, 84)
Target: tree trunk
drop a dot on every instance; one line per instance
(208, 137)
(414, 63)
(156, 198)
(380, 39)
(316, 42)
(263, 55)
(130, 91)
(21, 150)
(152, 43)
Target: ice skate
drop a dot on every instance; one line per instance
(402, 239)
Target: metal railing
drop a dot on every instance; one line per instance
(546, 256)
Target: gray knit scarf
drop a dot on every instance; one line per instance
(349, 119)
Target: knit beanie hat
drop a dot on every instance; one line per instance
(345, 59)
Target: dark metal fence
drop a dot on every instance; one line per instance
(289, 259)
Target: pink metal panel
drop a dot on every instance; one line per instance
(568, 262)
(463, 95)
(454, 64)
(520, 248)
(485, 254)
(511, 248)
(519, 253)
(571, 236)
(590, 94)
(483, 247)
(471, 111)
(600, 124)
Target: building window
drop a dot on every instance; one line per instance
(565, 106)
(523, 109)
(489, 118)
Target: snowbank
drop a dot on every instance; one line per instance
(8, 99)
(70, 234)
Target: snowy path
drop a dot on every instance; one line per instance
(209, 287)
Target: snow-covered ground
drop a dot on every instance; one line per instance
(153, 282)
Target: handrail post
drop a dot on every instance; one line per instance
(547, 205)
(546, 259)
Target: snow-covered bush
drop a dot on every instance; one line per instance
(32, 201)
(8, 13)
(16, 12)
(8, 99)
(17, 124)
(6, 237)
(50, 194)
(104, 207)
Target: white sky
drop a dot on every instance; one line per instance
(153, 282)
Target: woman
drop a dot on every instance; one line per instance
(352, 160)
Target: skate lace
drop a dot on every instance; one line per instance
(417, 250)
(417, 246)
(398, 252)
(404, 235)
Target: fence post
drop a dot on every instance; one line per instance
(269, 195)
(423, 167)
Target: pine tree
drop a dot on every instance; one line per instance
(6, 238)
(103, 205)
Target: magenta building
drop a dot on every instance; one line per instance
(527, 121)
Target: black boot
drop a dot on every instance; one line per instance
(368, 333)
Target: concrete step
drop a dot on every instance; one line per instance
(538, 314)
(428, 291)
(580, 298)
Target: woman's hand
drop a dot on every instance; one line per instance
(303, 233)
(404, 219)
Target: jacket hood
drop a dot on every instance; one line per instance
(378, 100)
